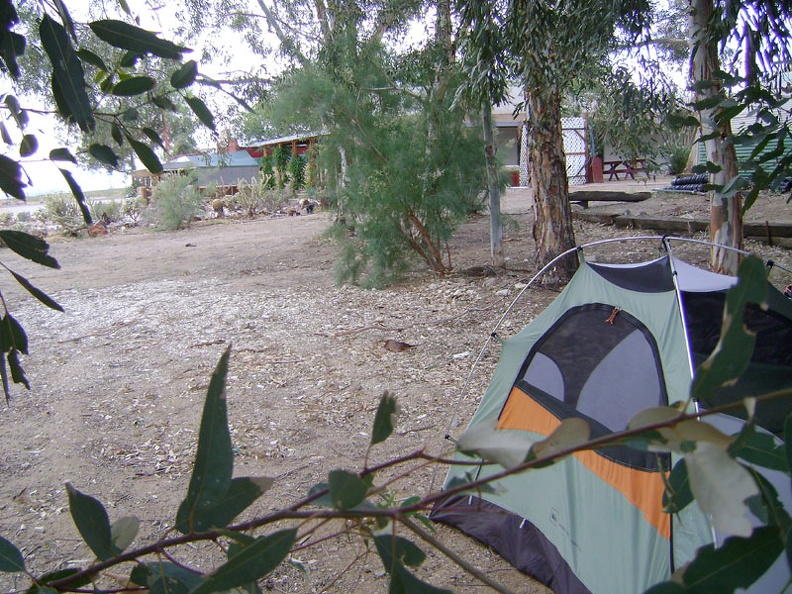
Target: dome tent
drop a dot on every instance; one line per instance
(620, 338)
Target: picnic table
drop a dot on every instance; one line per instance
(624, 168)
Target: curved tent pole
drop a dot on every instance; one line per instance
(494, 333)
(665, 241)
(678, 292)
(454, 419)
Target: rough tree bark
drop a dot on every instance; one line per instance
(496, 226)
(726, 221)
(553, 231)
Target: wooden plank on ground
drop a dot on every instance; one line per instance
(608, 196)
(765, 231)
(583, 197)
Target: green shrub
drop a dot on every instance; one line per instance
(297, 172)
(268, 171)
(7, 220)
(281, 158)
(133, 208)
(677, 156)
(176, 202)
(256, 196)
(62, 209)
(113, 210)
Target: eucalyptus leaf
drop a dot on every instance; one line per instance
(28, 146)
(17, 373)
(12, 335)
(768, 507)
(184, 76)
(19, 115)
(106, 84)
(29, 247)
(458, 482)
(124, 531)
(242, 492)
(129, 60)
(152, 135)
(164, 578)
(61, 574)
(733, 352)
(125, 36)
(164, 102)
(384, 420)
(62, 154)
(104, 154)
(92, 522)
(570, 434)
(77, 192)
(721, 487)
(677, 495)
(4, 376)
(146, 155)
(67, 73)
(11, 560)
(13, 44)
(65, 17)
(214, 460)
(760, 449)
(136, 85)
(394, 549)
(93, 59)
(322, 491)
(252, 563)
(118, 136)
(130, 115)
(737, 563)
(5, 135)
(507, 448)
(199, 108)
(347, 489)
(11, 178)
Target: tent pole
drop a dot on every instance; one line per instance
(691, 365)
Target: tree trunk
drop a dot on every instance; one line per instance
(524, 175)
(496, 227)
(726, 224)
(553, 231)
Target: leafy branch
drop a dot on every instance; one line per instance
(78, 97)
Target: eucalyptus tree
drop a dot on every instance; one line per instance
(107, 81)
(739, 48)
(545, 46)
(171, 128)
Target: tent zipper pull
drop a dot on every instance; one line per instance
(613, 315)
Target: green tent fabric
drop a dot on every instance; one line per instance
(617, 340)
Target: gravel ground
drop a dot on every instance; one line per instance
(118, 380)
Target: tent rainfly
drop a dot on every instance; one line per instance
(617, 340)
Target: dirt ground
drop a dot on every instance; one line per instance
(118, 380)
